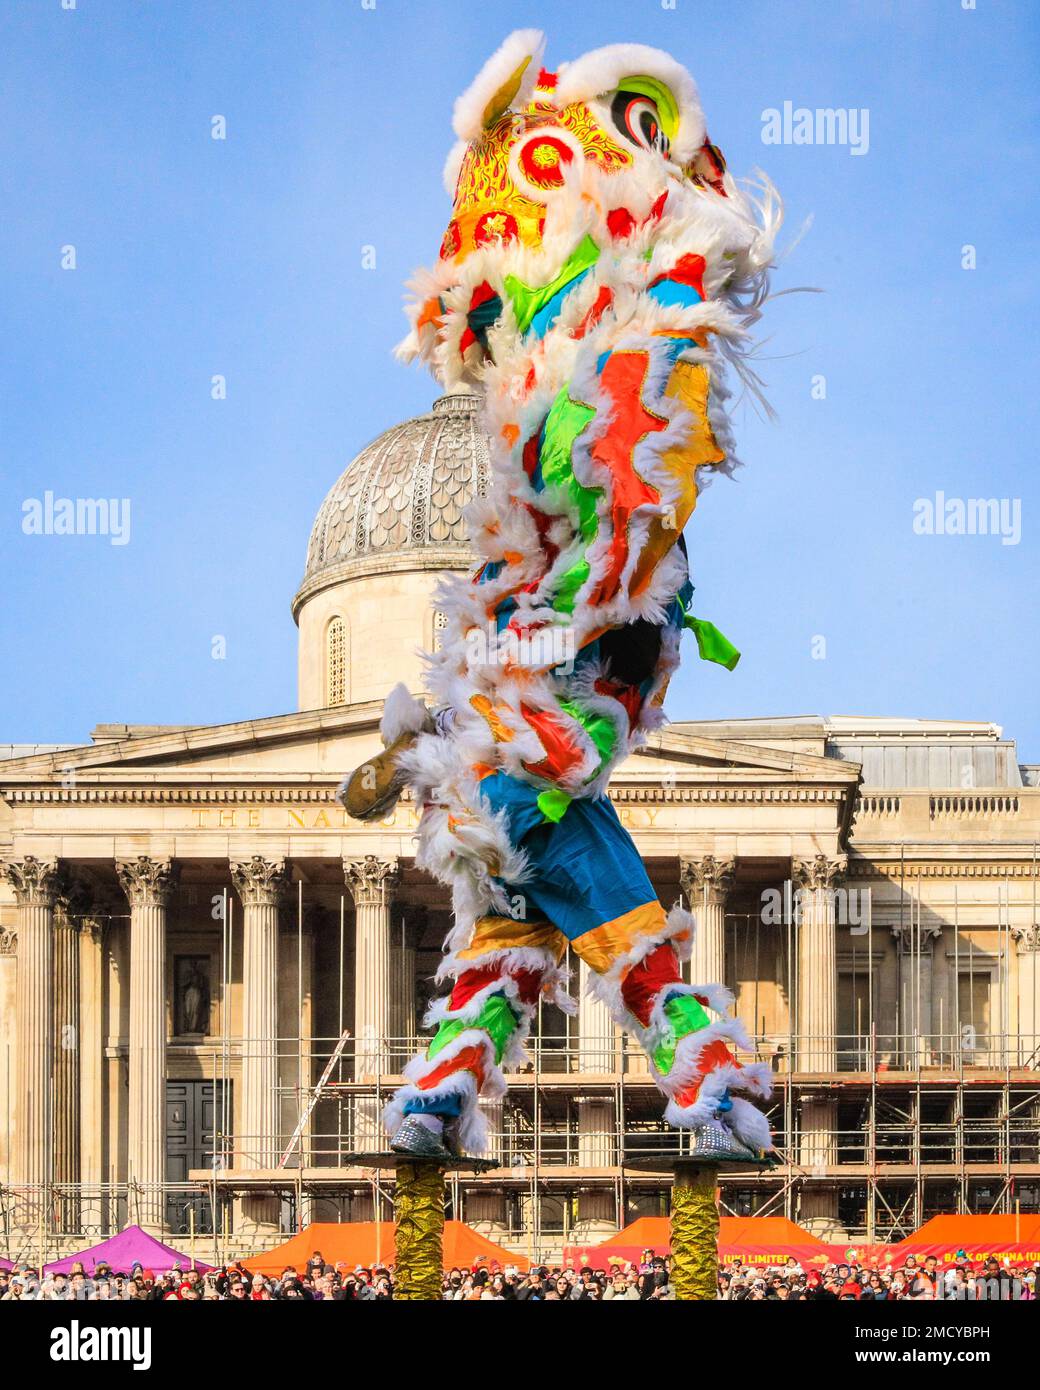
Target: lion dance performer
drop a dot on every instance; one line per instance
(599, 270)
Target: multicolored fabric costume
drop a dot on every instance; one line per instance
(599, 269)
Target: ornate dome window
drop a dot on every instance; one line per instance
(336, 662)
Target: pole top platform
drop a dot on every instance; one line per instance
(389, 1161)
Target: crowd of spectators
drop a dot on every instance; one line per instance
(647, 1281)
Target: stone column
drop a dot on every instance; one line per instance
(147, 884)
(402, 991)
(35, 884)
(260, 883)
(372, 883)
(818, 1152)
(817, 993)
(1027, 942)
(596, 1113)
(91, 1070)
(706, 883)
(817, 1026)
(68, 908)
(8, 1057)
(914, 946)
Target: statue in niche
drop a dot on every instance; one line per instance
(191, 995)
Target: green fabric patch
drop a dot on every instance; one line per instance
(528, 300)
(685, 1016)
(566, 420)
(711, 644)
(601, 729)
(553, 803)
(496, 1019)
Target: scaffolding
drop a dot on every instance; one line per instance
(932, 1105)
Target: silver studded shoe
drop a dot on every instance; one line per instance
(714, 1142)
(414, 1139)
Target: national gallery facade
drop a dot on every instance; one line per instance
(210, 978)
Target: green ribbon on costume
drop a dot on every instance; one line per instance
(553, 803)
(712, 645)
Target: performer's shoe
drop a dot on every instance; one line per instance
(416, 1140)
(715, 1142)
(373, 789)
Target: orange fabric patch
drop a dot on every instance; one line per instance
(503, 933)
(602, 946)
(500, 732)
(688, 385)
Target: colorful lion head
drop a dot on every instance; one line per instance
(612, 146)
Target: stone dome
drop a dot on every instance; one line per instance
(390, 526)
(405, 491)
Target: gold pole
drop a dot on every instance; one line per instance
(419, 1219)
(695, 1233)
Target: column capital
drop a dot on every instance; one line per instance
(819, 872)
(260, 882)
(1027, 938)
(35, 881)
(147, 882)
(707, 874)
(371, 880)
(71, 903)
(909, 938)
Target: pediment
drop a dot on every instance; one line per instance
(324, 744)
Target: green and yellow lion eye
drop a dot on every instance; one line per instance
(638, 119)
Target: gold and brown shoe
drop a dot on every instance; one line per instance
(373, 789)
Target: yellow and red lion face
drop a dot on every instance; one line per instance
(528, 136)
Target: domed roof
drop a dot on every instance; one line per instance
(406, 491)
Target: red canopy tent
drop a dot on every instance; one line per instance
(754, 1239)
(369, 1243)
(974, 1238)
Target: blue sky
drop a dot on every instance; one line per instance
(243, 258)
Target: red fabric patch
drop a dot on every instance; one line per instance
(658, 208)
(713, 1055)
(471, 982)
(688, 270)
(495, 226)
(627, 696)
(644, 981)
(620, 223)
(604, 300)
(546, 80)
(622, 380)
(469, 1059)
(561, 752)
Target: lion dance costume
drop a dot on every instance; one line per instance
(599, 271)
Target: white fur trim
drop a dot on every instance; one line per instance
(607, 987)
(468, 119)
(452, 167)
(602, 70)
(402, 713)
(472, 1123)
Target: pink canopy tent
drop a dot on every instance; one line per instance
(122, 1252)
